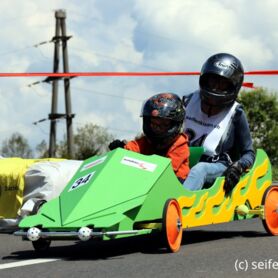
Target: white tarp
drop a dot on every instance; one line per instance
(43, 181)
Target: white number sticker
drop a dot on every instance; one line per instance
(81, 181)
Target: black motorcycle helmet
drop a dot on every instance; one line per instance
(226, 71)
(165, 106)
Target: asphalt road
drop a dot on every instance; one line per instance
(236, 249)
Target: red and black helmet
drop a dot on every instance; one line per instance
(221, 68)
(165, 106)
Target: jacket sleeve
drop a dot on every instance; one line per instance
(132, 146)
(179, 155)
(243, 140)
(140, 145)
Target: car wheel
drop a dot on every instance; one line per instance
(172, 225)
(41, 245)
(270, 203)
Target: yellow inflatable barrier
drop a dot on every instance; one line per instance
(12, 172)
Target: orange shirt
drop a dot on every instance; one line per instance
(178, 153)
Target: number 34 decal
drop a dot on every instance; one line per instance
(81, 181)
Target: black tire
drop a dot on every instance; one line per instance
(41, 245)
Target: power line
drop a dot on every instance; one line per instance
(117, 59)
(147, 34)
(37, 45)
(24, 48)
(113, 128)
(16, 18)
(106, 94)
(15, 50)
(109, 57)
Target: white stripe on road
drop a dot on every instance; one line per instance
(27, 262)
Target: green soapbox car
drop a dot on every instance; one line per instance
(123, 193)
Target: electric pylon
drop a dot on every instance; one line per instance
(60, 39)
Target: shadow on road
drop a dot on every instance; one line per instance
(198, 236)
(114, 249)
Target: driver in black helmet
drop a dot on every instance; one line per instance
(163, 116)
(216, 121)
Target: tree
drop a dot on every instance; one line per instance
(42, 149)
(89, 140)
(16, 146)
(261, 107)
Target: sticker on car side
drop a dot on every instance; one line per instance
(93, 163)
(81, 181)
(140, 164)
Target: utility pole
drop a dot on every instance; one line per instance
(60, 38)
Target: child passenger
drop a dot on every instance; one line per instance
(163, 115)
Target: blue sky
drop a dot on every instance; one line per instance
(124, 35)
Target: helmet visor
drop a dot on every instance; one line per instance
(216, 84)
(160, 126)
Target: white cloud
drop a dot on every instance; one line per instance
(206, 27)
(139, 35)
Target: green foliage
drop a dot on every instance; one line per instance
(16, 146)
(89, 140)
(275, 172)
(261, 108)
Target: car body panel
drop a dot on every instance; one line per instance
(122, 190)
